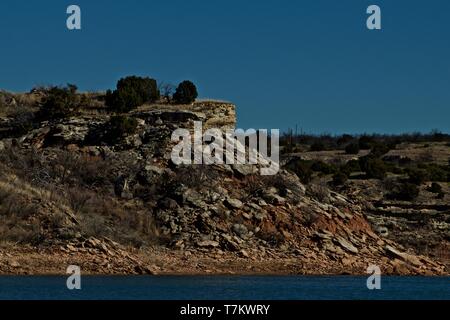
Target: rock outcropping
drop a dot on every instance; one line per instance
(216, 214)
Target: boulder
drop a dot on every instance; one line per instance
(233, 203)
(346, 245)
(150, 174)
(193, 197)
(408, 258)
(383, 231)
(207, 244)
(240, 230)
(243, 170)
(72, 132)
(229, 243)
(273, 198)
(260, 215)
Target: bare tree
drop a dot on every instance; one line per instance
(167, 90)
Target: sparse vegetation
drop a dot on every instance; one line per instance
(435, 172)
(60, 102)
(323, 167)
(318, 146)
(417, 176)
(345, 139)
(365, 142)
(294, 141)
(302, 169)
(374, 168)
(405, 192)
(350, 167)
(68, 182)
(440, 195)
(339, 178)
(120, 126)
(435, 188)
(23, 120)
(310, 217)
(319, 190)
(167, 90)
(380, 149)
(352, 148)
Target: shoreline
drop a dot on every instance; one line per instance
(213, 275)
(29, 261)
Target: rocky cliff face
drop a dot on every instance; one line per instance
(68, 193)
(213, 114)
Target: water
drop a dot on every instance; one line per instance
(224, 288)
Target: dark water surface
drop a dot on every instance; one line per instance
(224, 288)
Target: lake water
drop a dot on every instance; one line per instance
(224, 288)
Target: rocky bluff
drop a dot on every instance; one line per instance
(122, 206)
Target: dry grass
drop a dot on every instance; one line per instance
(12, 105)
(16, 212)
(436, 152)
(65, 195)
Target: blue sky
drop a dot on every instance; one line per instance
(309, 63)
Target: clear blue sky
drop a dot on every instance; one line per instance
(311, 63)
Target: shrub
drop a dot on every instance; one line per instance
(3, 104)
(435, 188)
(389, 183)
(375, 168)
(302, 168)
(309, 217)
(438, 136)
(13, 204)
(318, 146)
(325, 168)
(122, 101)
(132, 92)
(22, 121)
(319, 190)
(365, 142)
(344, 139)
(145, 88)
(437, 173)
(352, 148)
(195, 177)
(60, 102)
(185, 93)
(380, 149)
(119, 126)
(417, 176)
(78, 199)
(339, 178)
(404, 161)
(254, 185)
(350, 167)
(396, 170)
(405, 192)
